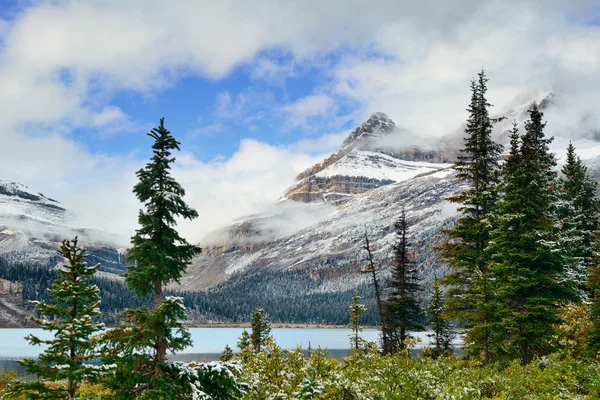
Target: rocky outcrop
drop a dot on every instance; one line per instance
(362, 163)
(333, 189)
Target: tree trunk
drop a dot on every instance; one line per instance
(372, 269)
(161, 342)
(71, 390)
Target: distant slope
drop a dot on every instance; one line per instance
(33, 225)
(12, 315)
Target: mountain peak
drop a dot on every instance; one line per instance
(16, 189)
(377, 123)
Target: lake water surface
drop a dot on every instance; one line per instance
(207, 343)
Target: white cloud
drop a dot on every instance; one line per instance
(327, 143)
(248, 182)
(271, 71)
(420, 73)
(60, 63)
(300, 112)
(209, 130)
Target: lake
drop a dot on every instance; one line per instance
(207, 343)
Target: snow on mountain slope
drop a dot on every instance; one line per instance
(368, 184)
(17, 201)
(332, 247)
(375, 165)
(32, 226)
(359, 166)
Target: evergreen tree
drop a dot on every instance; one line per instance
(578, 213)
(261, 329)
(439, 322)
(528, 264)
(244, 341)
(160, 255)
(356, 310)
(404, 308)
(227, 354)
(469, 281)
(593, 285)
(70, 314)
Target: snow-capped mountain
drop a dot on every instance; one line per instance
(19, 202)
(32, 226)
(360, 188)
(319, 223)
(361, 165)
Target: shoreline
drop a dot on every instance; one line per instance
(242, 325)
(276, 326)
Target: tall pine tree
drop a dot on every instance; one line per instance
(160, 256)
(469, 282)
(528, 264)
(402, 303)
(70, 315)
(578, 212)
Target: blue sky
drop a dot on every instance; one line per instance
(258, 90)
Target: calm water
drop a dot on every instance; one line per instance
(207, 342)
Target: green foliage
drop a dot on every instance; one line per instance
(227, 353)
(159, 253)
(528, 263)
(278, 374)
(593, 285)
(69, 314)
(439, 323)
(132, 348)
(244, 341)
(209, 381)
(261, 329)
(578, 210)
(356, 310)
(403, 311)
(470, 278)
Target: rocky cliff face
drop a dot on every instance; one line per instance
(361, 165)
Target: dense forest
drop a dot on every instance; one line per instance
(233, 302)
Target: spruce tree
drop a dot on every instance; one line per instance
(70, 314)
(528, 264)
(159, 256)
(227, 354)
(469, 282)
(593, 286)
(261, 329)
(404, 309)
(244, 341)
(356, 310)
(578, 213)
(439, 322)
